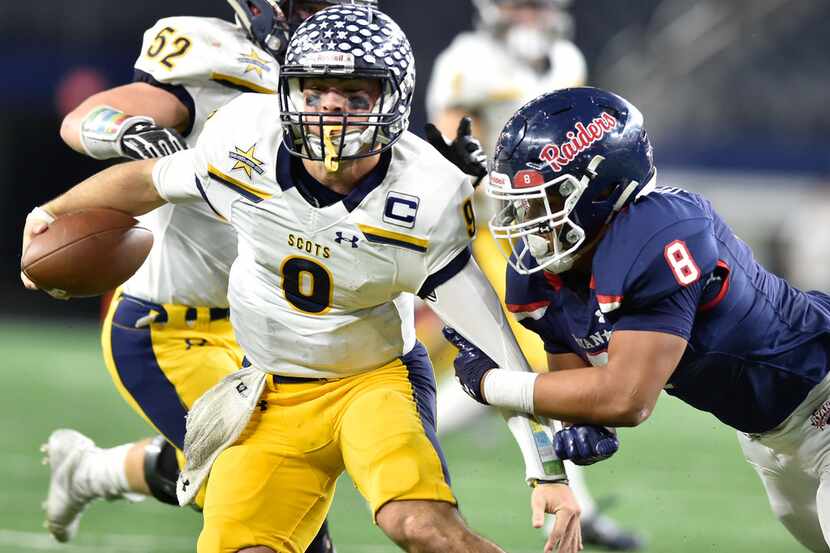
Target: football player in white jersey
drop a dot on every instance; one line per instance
(519, 50)
(341, 216)
(167, 337)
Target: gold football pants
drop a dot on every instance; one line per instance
(274, 486)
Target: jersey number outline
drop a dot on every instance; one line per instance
(307, 285)
(681, 262)
(179, 46)
(469, 216)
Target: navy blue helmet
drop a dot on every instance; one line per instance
(564, 164)
(270, 23)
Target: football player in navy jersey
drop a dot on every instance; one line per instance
(635, 288)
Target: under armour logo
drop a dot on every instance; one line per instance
(353, 240)
(600, 316)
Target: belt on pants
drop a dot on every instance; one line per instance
(280, 379)
(138, 313)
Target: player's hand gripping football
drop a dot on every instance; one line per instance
(37, 221)
(464, 151)
(145, 140)
(558, 500)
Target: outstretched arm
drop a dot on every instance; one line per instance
(127, 187)
(621, 393)
(469, 304)
(137, 121)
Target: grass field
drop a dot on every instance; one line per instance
(680, 478)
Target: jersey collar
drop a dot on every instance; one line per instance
(291, 173)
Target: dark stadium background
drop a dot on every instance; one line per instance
(735, 97)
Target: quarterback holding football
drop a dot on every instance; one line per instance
(342, 216)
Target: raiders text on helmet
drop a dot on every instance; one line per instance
(564, 165)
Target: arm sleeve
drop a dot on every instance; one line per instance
(469, 304)
(548, 333)
(184, 176)
(175, 177)
(673, 314)
(449, 240)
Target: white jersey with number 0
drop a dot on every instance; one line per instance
(205, 63)
(322, 292)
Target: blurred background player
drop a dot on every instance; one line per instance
(167, 337)
(519, 50)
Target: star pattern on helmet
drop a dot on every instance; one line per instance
(351, 39)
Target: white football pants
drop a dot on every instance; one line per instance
(793, 461)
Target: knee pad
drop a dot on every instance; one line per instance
(161, 470)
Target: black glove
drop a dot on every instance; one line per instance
(470, 364)
(585, 444)
(147, 141)
(464, 152)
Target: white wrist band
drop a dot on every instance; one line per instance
(42, 215)
(510, 389)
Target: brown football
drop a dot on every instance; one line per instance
(86, 252)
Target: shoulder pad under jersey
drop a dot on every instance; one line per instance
(662, 242)
(197, 50)
(443, 194)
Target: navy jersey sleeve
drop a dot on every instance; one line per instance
(661, 245)
(549, 333)
(673, 314)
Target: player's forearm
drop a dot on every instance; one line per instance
(137, 99)
(586, 395)
(126, 187)
(468, 303)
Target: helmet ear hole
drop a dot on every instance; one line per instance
(606, 192)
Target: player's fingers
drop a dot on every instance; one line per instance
(558, 531)
(465, 126)
(537, 508)
(435, 137)
(584, 447)
(571, 541)
(39, 228)
(27, 282)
